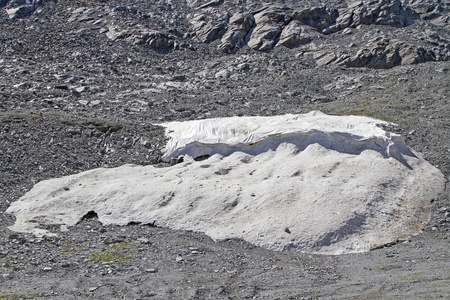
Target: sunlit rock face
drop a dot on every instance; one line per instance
(313, 183)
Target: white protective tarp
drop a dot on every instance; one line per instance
(255, 135)
(312, 182)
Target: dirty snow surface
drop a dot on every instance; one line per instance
(312, 182)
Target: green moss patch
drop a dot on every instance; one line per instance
(115, 253)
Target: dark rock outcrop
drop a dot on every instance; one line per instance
(266, 27)
(263, 28)
(209, 27)
(21, 11)
(238, 28)
(136, 34)
(295, 33)
(380, 53)
(269, 23)
(436, 12)
(319, 18)
(22, 8)
(383, 12)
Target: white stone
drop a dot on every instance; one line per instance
(313, 183)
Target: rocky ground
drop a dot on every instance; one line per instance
(83, 82)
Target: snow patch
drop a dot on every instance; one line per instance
(312, 182)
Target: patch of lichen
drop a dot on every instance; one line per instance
(115, 253)
(369, 113)
(70, 248)
(15, 117)
(16, 296)
(414, 277)
(374, 108)
(87, 122)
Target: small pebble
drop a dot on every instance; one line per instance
(151, 270)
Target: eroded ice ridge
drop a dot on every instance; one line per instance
(314, 183)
